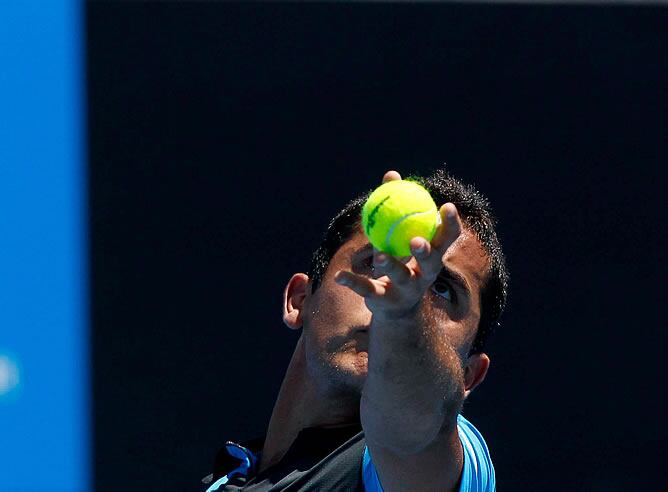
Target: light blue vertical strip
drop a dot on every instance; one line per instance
(44, 358)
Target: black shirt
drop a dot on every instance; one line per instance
(319, 459)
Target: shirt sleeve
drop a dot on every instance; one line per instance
(477, 472)
(369, 474)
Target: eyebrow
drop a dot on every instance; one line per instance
(362, 251)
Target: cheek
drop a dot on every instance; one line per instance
(458, 329)
(342, 304)
(336, 311)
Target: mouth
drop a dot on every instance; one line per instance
(363, 329)
(361, 337)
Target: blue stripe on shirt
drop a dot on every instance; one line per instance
(477, 472)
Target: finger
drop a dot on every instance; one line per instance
(397, 272)
(428, 259)
(359, 284)
(391, 176)
(449, 229)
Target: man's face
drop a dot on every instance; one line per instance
(336, 319)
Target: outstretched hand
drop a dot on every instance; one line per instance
(398, 287)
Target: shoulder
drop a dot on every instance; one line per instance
(308, 465)
(477, 471)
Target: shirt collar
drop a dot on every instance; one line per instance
(312, 441)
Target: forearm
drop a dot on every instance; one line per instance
(414, 385)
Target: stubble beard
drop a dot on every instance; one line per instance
(341, 373)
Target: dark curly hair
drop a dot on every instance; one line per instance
(476, 214)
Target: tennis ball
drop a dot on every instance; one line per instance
(396, 212)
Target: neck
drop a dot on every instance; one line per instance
(300, 404)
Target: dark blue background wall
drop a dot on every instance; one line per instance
(223, 137)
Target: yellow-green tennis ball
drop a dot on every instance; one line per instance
(396, 212)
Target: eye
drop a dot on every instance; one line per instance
(442, 288)
(364, 265)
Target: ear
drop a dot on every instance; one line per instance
(294, 296)
(475, 371)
